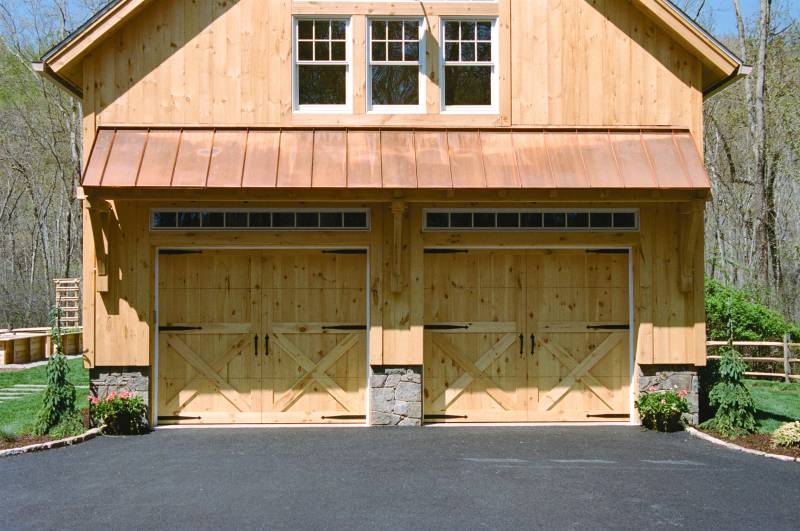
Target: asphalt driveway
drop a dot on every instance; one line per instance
(431, 478)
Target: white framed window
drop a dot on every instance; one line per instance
(469, 65)
(322, 72)
(395, 65)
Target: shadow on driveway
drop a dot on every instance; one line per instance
(431, 478)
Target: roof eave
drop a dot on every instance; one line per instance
(42, 68)
(719, 86)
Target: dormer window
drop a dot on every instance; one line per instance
(469, 65)
(396, 80)
(322, 66)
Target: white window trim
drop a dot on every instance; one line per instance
(494, 108)
(347, 107)
(421, 108)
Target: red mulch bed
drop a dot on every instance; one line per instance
(758, 441)
(24, 440)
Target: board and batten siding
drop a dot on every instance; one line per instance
(228, 62)
(118, 329)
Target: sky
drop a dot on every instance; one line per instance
(719, 16)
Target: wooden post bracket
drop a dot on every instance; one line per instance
(398, 211)
(692, 217)
(100, 227)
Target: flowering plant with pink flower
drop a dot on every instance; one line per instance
(123, 413)
(663, 410)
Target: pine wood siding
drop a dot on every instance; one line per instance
(562, 62)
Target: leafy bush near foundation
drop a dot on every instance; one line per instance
(732, 312)
(735, 408)
(122, 413)
(70, 427)
(662, 410)
(787, 435)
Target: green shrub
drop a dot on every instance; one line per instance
(58, 403)
(7, 436)
(122, 413)
(788, 435)
(731, 312)
(662, 410)
(69, 427)
(735, 408)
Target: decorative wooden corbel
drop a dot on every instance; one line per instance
(691, 215)
(100, 229)
(398, 210)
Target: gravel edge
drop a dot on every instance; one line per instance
(706, 437)
(69, 441)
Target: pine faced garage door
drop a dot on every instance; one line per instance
(252, 336)
(526, 335)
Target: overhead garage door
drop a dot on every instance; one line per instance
(249, 337)
(526, 335)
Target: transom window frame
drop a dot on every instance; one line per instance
(221, 210)
(347, 107)
(421, 64)
(542, 211)
(494, 107)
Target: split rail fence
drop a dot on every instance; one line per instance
(788, 359)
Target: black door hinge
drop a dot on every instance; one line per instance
(178, 251)
(344, 251)
(607, 251)
(609, 327)
(178, 417)
(345, 417)
(345, 327)
(445, 251)
(444, 417)
(445, 327)
(178, 328)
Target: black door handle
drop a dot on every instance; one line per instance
(266, 344)
(521, 345)
(255, 345)
(533, 344)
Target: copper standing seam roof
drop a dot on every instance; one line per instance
(395, 158)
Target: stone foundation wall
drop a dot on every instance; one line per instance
(105, 380)
(676, 378)
(396, 396)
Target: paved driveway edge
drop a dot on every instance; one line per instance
(719, 442)
(69, 441)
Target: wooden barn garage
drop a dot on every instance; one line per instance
(392, 213)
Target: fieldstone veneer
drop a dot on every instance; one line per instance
(396, 396)
(105, 380)
(674, 377)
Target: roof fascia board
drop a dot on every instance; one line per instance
(77, 44)
(692, 35)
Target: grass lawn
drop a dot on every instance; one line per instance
(777, 402)
(18, 415)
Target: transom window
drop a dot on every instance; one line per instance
(469, 58)
(532, 220)
(259, 219)
(322, 64)
(396, 76)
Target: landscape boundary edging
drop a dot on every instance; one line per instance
(706, 437)
(69, 441)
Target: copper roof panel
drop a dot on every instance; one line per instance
(364, 159)
(295, 159)
(227, 160)
(632, 159)
(532, 161)
(261, 159)
(499, 160)
(466, 160)
(395, 158)
(159, 159)
(398, 164)
(667, 163)
(330, 159)
(695, 169)
(565, 160)
(96, 167)
(194, 154)
(598, 157)
(125, 158)
(433, 164)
